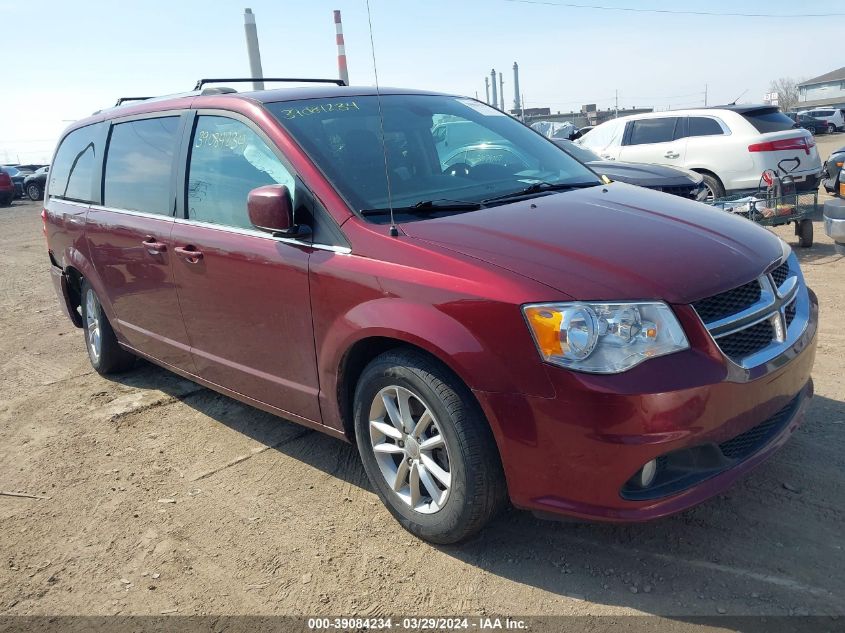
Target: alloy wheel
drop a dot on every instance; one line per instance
(411, 451)
(93, 325)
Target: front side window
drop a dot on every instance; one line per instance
(437, 148)
(228, 160)
(72, 176)
(648, 131)
(139, 165)
(704, 126)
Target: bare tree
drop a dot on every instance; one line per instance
(787, 89)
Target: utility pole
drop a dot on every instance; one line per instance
(705, 95)
(616, 113)
(252, 49)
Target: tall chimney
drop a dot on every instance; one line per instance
(341, 49)
(487, 89)
(501, 93)
(516, 105)
(493, 81)
(252, 49)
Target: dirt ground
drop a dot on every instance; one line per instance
(166, 497)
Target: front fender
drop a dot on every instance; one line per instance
(439, 333)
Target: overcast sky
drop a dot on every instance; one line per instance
(63, 60)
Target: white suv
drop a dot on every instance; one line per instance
(730, 146)
(834, 117)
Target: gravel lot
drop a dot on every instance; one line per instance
(165, 496)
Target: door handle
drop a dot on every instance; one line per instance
(153, 246)
(671, 154)
(189, 253)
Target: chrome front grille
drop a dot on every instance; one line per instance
(757, 321)
(728, 303)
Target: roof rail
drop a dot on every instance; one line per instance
(202, 82)
(123, 100)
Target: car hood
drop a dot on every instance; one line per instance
(611, 243)
(645, 175)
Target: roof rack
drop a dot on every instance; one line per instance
(123, 100)
(202, 82)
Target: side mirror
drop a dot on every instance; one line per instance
(271, 209)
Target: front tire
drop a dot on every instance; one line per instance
(715, 189)
(104, 352)
(426, 447)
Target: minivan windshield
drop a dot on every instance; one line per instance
(443, 154)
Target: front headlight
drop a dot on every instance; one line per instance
(604, 338)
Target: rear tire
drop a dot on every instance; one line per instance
(404, 402)
(714, 186)
(804, 231)
(831, 128)
(34, 192)
(104, 352)
(6, 202)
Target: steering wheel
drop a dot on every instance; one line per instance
(457, 169)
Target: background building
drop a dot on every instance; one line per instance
(825, 90)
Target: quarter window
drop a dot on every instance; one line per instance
(72, 176)
(647, 131)
(139, 165)
(704, 126)
(228, 160)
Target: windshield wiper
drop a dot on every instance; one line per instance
(427, 207)
(543, 187)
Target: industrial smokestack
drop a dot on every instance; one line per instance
(493, 81)
(501, 93)
(516, 104)
(487, 89)
(343, 71)
(252, 49)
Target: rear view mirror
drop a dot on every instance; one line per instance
(271, 209)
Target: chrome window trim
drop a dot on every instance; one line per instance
(341, 250)
(771, 306)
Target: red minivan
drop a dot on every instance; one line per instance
(481, 330)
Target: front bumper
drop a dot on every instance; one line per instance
(574, 454)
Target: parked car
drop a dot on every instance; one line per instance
(584, 348)
(36, 182)
(679, 182)
(7, 188)
(832, 171)
(29, 167)
(581, 132)
(730, 146)
(811, 124)
(834, 118)
(17, 177)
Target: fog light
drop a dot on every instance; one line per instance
(647, 473)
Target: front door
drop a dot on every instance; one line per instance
(129, 238)
(244, 294)
(658, 140)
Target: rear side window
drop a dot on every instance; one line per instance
(822, 113)
(646, 131)
(139, 165)
(768, 120)
(704, 126)
(72, 176)
(228, 160)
